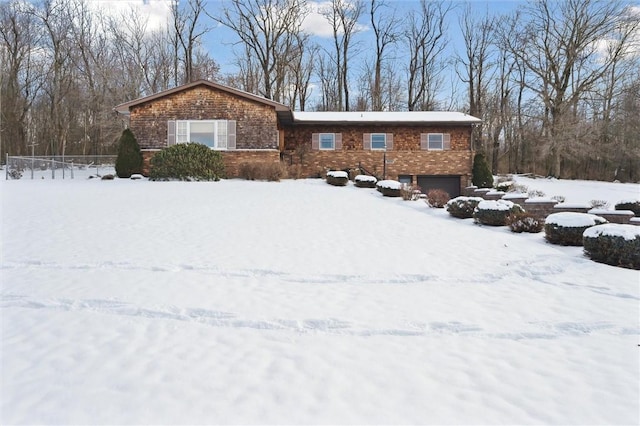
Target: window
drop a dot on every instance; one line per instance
(378, 141)
(327, 141)
(216, 134)
(435, 141)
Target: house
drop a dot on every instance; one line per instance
(430, 149)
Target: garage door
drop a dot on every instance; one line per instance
(451, 184)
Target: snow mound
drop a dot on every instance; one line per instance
(574, 220)
(495, 205)
(628, 232)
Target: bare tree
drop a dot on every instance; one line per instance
(425, 38)
(270, 32)
(188, 32)
(559, 47)
(384, 24)
(343, 17)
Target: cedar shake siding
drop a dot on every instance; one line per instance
(256, 123)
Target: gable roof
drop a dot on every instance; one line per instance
(405, 117)
(124, 108)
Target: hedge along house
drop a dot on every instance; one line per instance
(430, 149)
(242, 126)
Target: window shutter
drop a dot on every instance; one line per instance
(231, 134)
(424, 141)
(389, 141)
(171, 132)
(366, 141)
(338, 141)
(446, 141)
(315, 141)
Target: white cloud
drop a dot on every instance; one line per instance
(316, 24)
(157, 12)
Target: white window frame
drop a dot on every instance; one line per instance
(441, 141)
(220, 132)
(333, 141)
(384, 135)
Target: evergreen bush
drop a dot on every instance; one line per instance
(634, 206)
(482, 176)
(524, 222)
(129, 159)
(389, 188)
(463, 207)
(613, 244)
(365, 181)
(566, 228)
(495, 212)
(337, 178)
(188, 162)
(437, 198)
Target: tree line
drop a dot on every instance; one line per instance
(557, 83)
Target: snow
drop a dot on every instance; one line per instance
(366, 178)
(512, 195)
(574, 220)
(338, 174)
(138, 302)
(573, 206)
(383, 116)
(628, 232)
(611, 212)
(389, 184)
(501, 205)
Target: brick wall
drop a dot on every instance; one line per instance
(256, 123)
(406, 157)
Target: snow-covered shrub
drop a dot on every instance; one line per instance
(365, 181)
(188, 162)
(389, 188)
(261, 170)
(524, 222)
(437, 198)
(505, 186)
(566, 228)
(633, 205)
(559, 198)
(463, 207)
(108, 177)
(535, 193)
(15, 173)
(129, 159)
(495, 212)
(599, 204)
(613, 244)
(337, 178)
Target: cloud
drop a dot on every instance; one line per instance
(156, 11)
(316, 24)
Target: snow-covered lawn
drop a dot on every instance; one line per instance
(299, 302)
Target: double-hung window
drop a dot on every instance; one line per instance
(379, 141)
(435, 141)
(216, 134)
(327, 141)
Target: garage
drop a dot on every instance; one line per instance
(450, 184)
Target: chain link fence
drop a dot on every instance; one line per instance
(18, 167)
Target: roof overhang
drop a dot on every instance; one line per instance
(448, 118)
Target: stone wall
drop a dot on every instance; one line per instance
(256, 123)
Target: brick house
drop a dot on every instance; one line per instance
(431, 149)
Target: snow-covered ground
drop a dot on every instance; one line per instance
(136, 302)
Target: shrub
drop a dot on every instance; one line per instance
(633, 205)
(409, 192)
(337, 178)
(437, 198)
(463, 207)
(599, 204)
(107, 177)
(495, 212)
(613, 244)
(566, 228)
(187, 161)
(15, 173)
(129, 159)
(524, 222)
(482, 176)
(365, 181)
(505, 186)
(389, 188)
(559, 198)
(257, 170)
(536, 193)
